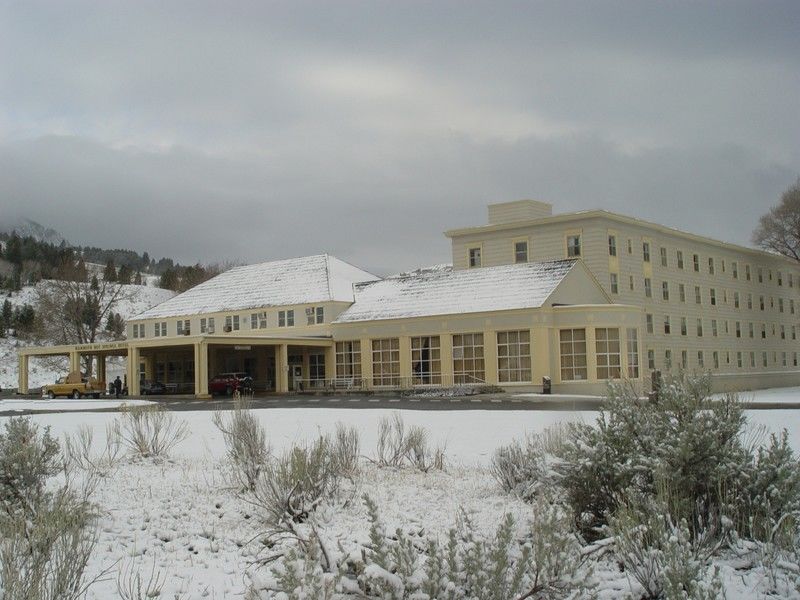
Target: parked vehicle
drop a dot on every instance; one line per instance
(152, 388)
(74, 385)
(228, 383)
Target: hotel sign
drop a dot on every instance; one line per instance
(102, 346)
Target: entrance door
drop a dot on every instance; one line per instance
(295, 376)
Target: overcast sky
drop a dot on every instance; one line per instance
(248, 131)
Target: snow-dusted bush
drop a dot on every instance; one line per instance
(524, 468)
(398, 446)
(771, 509)
(151, 431)
(27, 460)
(46, 533)
(300, 576)
(547, 563)
(245, 444)
(662, 556)
(685, 442)
(295, 483)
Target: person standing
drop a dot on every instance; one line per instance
(117, 386)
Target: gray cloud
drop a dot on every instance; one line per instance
(259, 130)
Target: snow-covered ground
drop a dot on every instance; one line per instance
(179, 518)
(137, 299)
(30, 405)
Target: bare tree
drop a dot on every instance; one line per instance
(76, 312)
(779, 230)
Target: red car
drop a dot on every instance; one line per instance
(228, 383)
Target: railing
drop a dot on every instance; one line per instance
(423, 381)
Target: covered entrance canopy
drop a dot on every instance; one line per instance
(185, 364)
(98, 352)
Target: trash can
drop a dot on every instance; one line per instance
(547, 385)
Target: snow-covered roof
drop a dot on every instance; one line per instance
(306, 280)
(448, 292)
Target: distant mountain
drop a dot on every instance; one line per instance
(29, 228)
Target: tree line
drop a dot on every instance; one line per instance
(27, 260)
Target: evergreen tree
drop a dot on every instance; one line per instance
(169, 279)
(124, 274)
(95, 285)
(13, 253)
(6, 318)
(81, 273)
(110, 272)
(137, 279)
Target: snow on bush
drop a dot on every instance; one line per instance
(525, 468)
(687, 444)
(46, 534)
(546, 562)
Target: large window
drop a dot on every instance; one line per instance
(183, 327)
(386, 362)
(663, 257)
(316, 367)
(646, 251)
(612, 245)
(614, 283)
(633, 352)
(161, 329)
(573, 245)
(573, 354)
(468, 365)
(426, 360)
(348, 360)
(607, 350)
(514, 356)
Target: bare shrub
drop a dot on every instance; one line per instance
(398, 446)
(392, 444)
(132, 584)
(79, 451)
(151, 431)
(246, 444)
(345, 449)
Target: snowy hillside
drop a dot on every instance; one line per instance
(28, 228)
(138, 299)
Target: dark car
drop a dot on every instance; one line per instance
(153, 388)
(228, 383)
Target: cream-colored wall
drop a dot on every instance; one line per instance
(331, 311)
(506, 212)
(544, 325)
(547, 243)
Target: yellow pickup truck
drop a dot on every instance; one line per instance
(74, 385)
